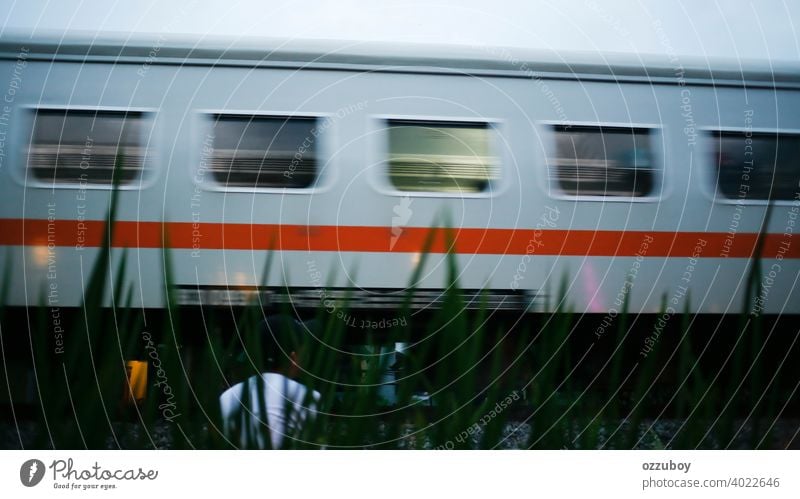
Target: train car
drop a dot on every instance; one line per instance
(660, 180)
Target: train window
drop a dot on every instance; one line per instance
(264, 151)
(757, 166)
(71, 146)
(434, 156)
(603, 161)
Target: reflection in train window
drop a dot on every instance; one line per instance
(259, 151)
(757, 166)
(72, 146)
(435, 156)
(603, 161)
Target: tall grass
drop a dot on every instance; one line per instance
(464, 380)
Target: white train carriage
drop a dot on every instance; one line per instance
(645, 178)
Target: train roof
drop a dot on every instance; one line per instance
(400, 57)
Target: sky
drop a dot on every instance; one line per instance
(706, 28)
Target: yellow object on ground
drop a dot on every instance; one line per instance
(136, 388)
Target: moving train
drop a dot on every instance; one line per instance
(659, 179)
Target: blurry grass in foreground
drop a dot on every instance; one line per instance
(464, 379)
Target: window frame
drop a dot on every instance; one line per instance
(150, 141)
(379, 177)
(204, 119)
(710, 187)
(658, 156)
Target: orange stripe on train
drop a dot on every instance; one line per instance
(349, 238)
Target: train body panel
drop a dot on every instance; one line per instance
(353, 228)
